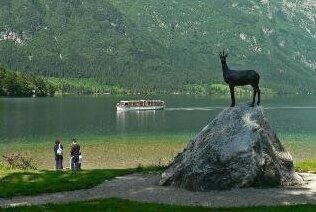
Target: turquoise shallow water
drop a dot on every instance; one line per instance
(30, 119)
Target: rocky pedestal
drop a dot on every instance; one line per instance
(237, 149)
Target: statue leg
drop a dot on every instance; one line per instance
(232, 95)
(254, 93)
(258, 89)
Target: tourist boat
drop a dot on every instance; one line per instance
(140, 105)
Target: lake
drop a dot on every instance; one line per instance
(41, 120)
(73, 116)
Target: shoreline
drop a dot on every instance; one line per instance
(127, 151)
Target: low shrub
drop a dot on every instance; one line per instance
(17, 161)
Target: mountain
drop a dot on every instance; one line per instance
(161, 45)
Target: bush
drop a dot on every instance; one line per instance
(17, 161)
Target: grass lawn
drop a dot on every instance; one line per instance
(115, 204)
(306, 166)
(14, 183)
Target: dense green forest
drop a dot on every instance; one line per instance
(160, 46)
(24, 85)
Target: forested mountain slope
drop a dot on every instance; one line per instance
(161, 45)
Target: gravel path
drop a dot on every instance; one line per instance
(144, 188)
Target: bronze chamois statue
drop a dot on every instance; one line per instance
(234, 78)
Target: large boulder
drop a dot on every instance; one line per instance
(237, 149)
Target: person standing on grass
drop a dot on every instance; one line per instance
(58, 150)
(74, 154)
(79, 160)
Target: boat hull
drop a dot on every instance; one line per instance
(122, 108)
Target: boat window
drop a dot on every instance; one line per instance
(141, 103)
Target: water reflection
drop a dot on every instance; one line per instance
(146, 120)
(194, 108)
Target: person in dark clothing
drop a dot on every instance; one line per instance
(79, 160)
(74, 154)
(58, 150)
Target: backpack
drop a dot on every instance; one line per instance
(59, 150)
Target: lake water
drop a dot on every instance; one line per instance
(33, 118)
(22, 118)
(95, 119)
